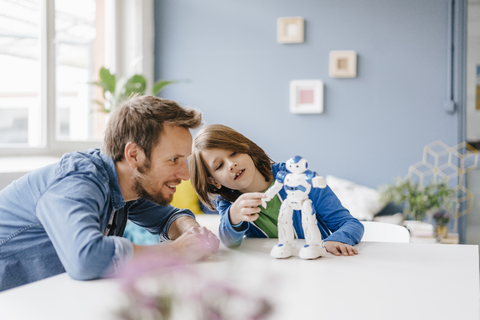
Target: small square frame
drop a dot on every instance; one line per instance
(306, 96)
(290, 30)
(343, 64)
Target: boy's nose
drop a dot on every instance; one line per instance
(232, 165)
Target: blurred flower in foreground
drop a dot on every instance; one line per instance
(162, 288)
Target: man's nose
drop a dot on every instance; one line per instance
(182, 172)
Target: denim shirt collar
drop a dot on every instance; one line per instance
(116, 196)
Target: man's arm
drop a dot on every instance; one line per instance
(191, 242)
(72, 206)
(180, 226)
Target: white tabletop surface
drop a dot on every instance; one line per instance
(384, 281)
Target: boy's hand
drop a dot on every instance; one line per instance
(246, 207)
(339, 248)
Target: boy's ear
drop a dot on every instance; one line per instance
(215, 183)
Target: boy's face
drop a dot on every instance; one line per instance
(228, 168)
(157, 179)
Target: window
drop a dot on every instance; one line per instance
(20, 81)
(79, 55)
(50, 52)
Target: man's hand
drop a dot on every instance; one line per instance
(198, 243)
(339, 248)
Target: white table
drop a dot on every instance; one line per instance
(385, 281)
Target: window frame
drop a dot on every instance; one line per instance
(138, 15)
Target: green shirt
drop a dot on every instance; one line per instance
(268, 218)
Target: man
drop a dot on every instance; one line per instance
(70, 216)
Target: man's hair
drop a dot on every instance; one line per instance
(140, 119)
(218, 136)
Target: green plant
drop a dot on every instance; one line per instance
(115, 92)
(441, 217)
(418, 199)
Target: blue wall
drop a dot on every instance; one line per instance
(373, 127)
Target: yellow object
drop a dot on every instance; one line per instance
(186, 198)
(441, 231)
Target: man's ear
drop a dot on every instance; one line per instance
(215, 183)
(134, 155)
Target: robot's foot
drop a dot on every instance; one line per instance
(282, 251)
(312, 251)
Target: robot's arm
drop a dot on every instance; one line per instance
(319, 182)
(273, 190)
(315, 180)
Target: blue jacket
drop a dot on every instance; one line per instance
(334, 221)
(53, 219)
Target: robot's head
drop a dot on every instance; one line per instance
(297, 164)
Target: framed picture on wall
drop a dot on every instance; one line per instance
(290, 30)
(306, 96)
(343, 64)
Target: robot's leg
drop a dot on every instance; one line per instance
(313, 247)
(286, 245)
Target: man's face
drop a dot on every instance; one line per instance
(156, 180)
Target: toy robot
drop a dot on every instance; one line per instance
(297, 182)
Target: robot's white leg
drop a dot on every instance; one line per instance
(309, 223)
(286, 245)
(313, 247)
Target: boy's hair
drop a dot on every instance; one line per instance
(140, 119)
(217, 136)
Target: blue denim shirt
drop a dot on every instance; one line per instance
(52, 220)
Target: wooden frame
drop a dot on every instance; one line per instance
(290, 30)
(343, 64)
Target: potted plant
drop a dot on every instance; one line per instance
(442, 217)
(115, 92)
(419, 199)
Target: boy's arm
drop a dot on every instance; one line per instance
(229, 236)
(344, 227)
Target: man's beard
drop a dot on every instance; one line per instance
(139, 188)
